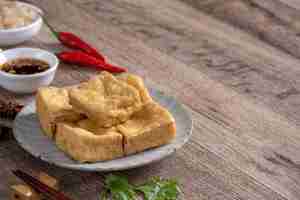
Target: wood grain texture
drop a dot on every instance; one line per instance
(243, 89)
(228, 55)
(252, 16)
(292, 3)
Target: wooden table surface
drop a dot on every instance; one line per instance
(234, 63)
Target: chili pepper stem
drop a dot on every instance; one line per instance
(55, 33)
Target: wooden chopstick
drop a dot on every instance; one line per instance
(33, 184)
(40, 187)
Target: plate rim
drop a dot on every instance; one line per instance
(86, 166)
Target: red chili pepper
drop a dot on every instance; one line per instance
(73, 41)
(83, 59)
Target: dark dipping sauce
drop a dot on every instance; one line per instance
(25, 66)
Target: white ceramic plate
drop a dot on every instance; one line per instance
(29, 135)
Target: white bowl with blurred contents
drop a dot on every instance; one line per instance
(28, 83)
(15, 27)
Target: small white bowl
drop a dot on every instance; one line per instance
(27, 83)
(14, 36)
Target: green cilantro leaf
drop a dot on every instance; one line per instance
(160, 189)
(119, 188)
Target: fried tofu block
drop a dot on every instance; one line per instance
(138, 83)
(106, 100)
(84, 146)
(53, 106)
(152, 126)
(94, 127)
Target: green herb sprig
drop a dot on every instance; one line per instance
(118, 188)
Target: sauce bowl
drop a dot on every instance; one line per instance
(19, 83)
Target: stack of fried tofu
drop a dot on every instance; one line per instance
(104, 118)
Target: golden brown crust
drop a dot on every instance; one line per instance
(94, 127)
(122, 118)
(138, 83)
(85, 146)
(106, 100)
(53, 106)
(149, 139)
(151, 127)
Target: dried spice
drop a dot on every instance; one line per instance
(9, 110)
